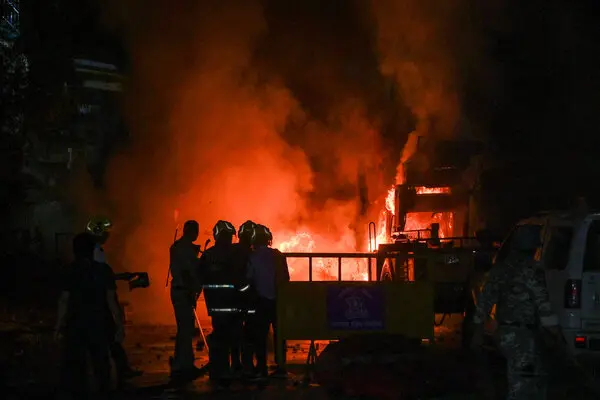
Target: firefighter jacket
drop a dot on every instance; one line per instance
(267, 269)
(221, 281)
(241, 258)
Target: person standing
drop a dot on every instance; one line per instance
(99, 228)
(266, 270)
(86, 302)
(517, 286)
(185, 285)
(241, 255)
(221, 288)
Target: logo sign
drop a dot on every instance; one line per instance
(355, 308)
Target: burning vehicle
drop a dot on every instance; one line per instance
(425, 232)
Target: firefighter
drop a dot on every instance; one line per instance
(266, 270)
(99, 228)
(185, 285)
(87, 300)
(241, 352)
(221, 287)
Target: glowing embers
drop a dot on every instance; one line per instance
(433, 190)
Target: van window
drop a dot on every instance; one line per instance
(591, 259)
(507, 245)
(559, 247)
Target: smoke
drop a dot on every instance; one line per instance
(205, 133)
(421, 46)
(217, 132)
(253, 110)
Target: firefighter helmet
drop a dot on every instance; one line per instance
(98, 226)
(262, 234)
(223, 227)
(247, 229)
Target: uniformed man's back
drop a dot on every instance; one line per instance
(183, 263)
(217, 269)
(521, 290)
(217, 264)
(240, 256)
(185, 285)
(517, 286)
(219, 277)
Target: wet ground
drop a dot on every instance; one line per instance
(30, 364)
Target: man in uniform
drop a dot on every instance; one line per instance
(221, 292)
(99, 228)
(241, 256)
(266, 270)
(185, 284)
(518, 288)
(86, 302)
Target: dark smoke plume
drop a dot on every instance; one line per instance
(431, 50)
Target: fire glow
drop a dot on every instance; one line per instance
(432, 190)
(326, 269)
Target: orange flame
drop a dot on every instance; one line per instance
(390, 200)
(324, 269)
(305, 241)
(432, 190)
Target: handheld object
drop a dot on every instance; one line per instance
(139, 280)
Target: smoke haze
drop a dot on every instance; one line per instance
(254, 110)
(423, 47)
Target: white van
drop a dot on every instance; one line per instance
(570, 254)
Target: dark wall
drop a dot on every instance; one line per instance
(54, 32)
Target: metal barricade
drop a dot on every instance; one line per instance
(339, 256)
(332, 310)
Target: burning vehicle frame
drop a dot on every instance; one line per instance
(436, 249)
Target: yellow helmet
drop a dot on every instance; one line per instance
(98, 226)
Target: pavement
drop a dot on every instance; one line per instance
(29, 360)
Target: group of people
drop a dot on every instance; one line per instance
(239, 282)
(90, 319)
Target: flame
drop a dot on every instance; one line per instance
(422, 220)
(324, 269)
(432, 190)
(390, 200)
